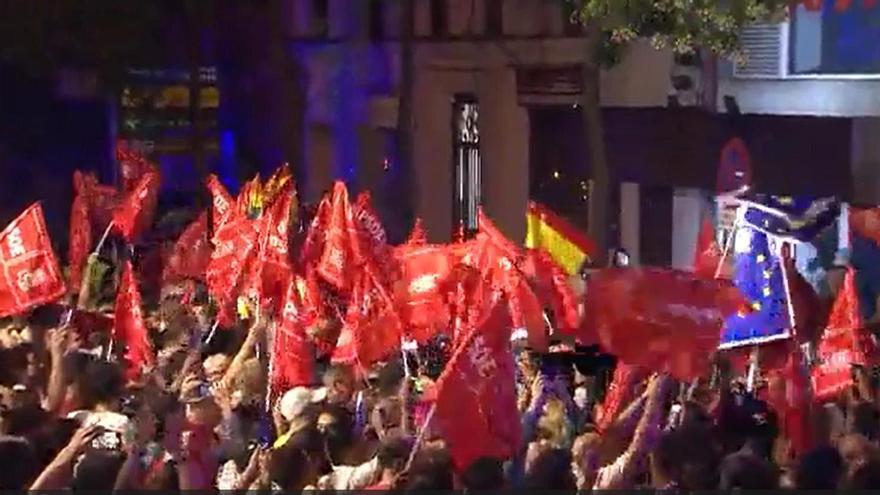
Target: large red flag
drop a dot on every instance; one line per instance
(476, 395)
(707, 256)
(29, 272)
(234, 245)
(221, 201)
(420, 292)
(129, 328)
(373, 235)
(135, 214)
(844, 343)
(292, 357)
(664, 320)
(80, 236)
(191, 253)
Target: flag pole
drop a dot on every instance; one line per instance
(103, 238)
(421, 437)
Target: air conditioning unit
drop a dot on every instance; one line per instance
(766, 50)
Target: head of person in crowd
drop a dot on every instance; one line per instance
(857, 451)
(20, 463)
(392, 456)
(485, 473)
(431, 469)
(335, 425)
(551, 470)
(296, 408)
(339, 381)
(215, 367)
(864, 420)
(200, 406)
(101, 386)
(96, 470)
(820, 469)
(745, 471)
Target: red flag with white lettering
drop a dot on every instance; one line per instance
(342, 254)
(136, 212)
(234, 244)
(420, 294)
(191, 253)
(372, 326)
(275, 255)
(844, 343)
(221, 201)
(80, 235)
(29, 272)
(292, 356)
(373, 234)
(129, 328)
(664, 320)
(476, 394)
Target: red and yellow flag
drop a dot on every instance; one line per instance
(565, 244)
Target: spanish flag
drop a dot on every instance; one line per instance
(547, 231)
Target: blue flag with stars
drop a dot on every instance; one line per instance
(758, 275)
(797, 218)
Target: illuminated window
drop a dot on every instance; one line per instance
(466, 157)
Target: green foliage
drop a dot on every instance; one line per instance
(681, 25)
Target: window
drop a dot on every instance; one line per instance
(439, 18)
(321, 17)
(377, 19)
(466, 158)
(494, 17)
(834, 41)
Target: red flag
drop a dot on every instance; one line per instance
(844, 343)
(372, 327)
(129, 328)
(813, 4)
(191, 253)
(621, 391)
(292, 357)
(420, 293)
(248, 195)
(796, 410)
(80, 236)
(135, 214)
(221, 201)
(132, 166)
(373, 235)
(342, 253)
(707, 256)
(102, 200)
(29, 273)
(554, 290)
(234, 244)
(275, 254)
(663, 320)
(476, 395)
(418, 236)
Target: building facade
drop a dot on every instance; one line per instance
(485, 73)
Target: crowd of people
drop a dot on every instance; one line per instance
(199, 420)
(153, 395)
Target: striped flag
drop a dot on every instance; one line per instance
(549, 232)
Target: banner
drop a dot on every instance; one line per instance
(30, 273)
(664, 320)
(547, 231)
(135, 214)
(476, 394)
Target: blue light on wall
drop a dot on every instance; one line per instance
(226, 161)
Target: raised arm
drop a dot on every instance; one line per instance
(619, 474)
(56, 389)
(59, 473)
